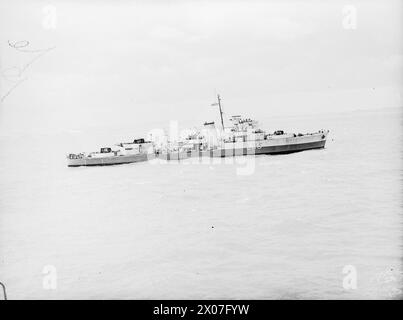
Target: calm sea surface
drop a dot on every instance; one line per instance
(267, 227)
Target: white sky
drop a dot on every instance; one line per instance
(116, 61)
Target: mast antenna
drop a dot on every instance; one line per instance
(220, 108)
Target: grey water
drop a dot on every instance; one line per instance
(265, 227)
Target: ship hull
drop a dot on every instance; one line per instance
(109, 161)
(277, 145)
(291, 148)
(272, 145)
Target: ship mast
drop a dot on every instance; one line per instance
(219, 106)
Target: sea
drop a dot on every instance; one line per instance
(319, 224)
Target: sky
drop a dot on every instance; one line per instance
(127, 62)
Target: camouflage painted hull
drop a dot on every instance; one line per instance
(270, 146)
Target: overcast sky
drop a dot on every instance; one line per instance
(116, 62)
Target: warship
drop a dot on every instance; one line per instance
(242, 137)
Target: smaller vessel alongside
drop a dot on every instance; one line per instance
(126, 152)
